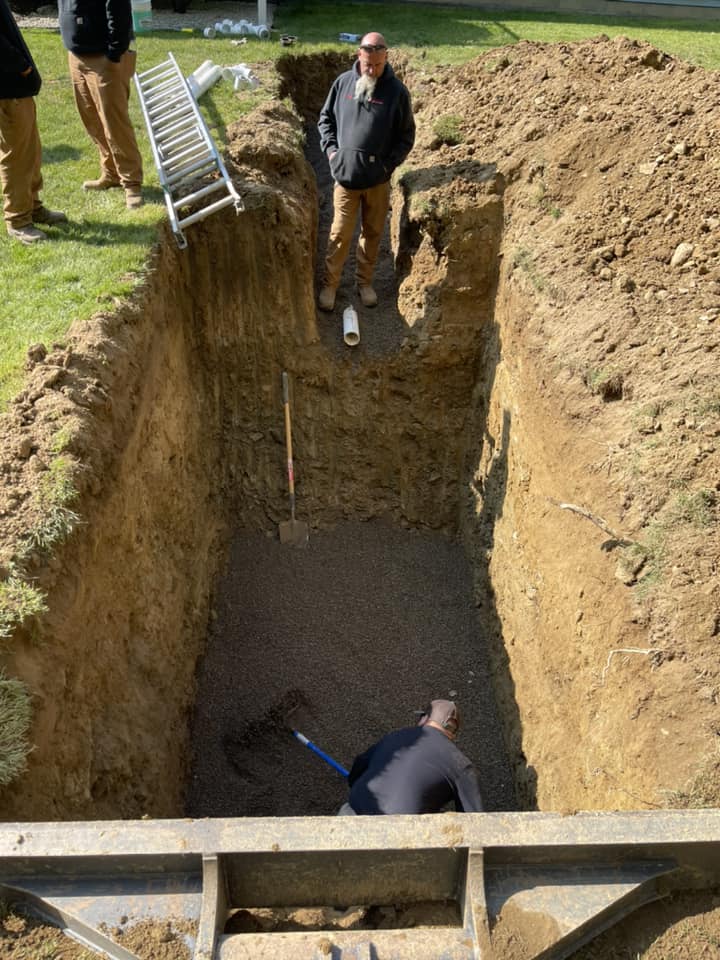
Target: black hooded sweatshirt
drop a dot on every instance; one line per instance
(14, 60)
(413, 770)
(92, 27)
(371, 136)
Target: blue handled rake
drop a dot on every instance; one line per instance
(321, 753)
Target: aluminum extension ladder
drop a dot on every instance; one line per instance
(189, 164)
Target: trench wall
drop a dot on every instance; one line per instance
(553, 609)
(162, 465)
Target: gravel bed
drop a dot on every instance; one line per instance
(342, 639)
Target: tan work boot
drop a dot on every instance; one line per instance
(43, 215)
(133, 198)
(326, 299)
(103, 183)
(27, 235)
(368, 297)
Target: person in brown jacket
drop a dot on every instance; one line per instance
(20, 174)
(98, 36)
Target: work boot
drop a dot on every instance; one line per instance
(28, 234)
(103, 183)
(326, 300)
(368, 297)
(133, 198)
(50, 217)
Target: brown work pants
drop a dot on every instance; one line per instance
(373, 207)
(102, 93)
(20, 174)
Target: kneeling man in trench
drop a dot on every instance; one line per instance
(415, 770)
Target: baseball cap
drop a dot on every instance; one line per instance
(445, 713)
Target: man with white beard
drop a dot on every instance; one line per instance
(366, 129)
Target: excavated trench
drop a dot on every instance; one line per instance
(405, 474)
(377, 615)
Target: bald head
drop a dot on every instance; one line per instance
(373, 40)
(372, 55)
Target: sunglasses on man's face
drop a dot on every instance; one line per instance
(373, 48)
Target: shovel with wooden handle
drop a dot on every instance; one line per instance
(292, 531)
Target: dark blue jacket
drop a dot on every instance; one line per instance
(92, 27)
(15, 59)
(413, 770)
(371, 138)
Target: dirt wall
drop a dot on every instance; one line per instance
(111, 665)
(557, 609)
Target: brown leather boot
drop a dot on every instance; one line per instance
(102, 183)
(50, 217)
(326, 299)
(27, 235)
(368, 297)
(133, 198)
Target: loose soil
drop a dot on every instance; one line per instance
(546, 392)
(24, 937)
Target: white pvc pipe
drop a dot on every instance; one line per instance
(351, 331)
(196, 77)
(262, 11)
(204, 66)
(201, 84)
(240, 75)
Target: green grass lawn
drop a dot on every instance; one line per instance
(101, 253)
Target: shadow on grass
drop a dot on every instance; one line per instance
(60, 153)
(101, 233)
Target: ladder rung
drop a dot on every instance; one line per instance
(181, 175)
(150, 85)
(167, 84)
(196, 144)
(191, 182)
(167, 148)
(199, 194)
(161, 126)
(205, 212)
(166, 64)
(167, 106)
(197, 147)
(165, 97)
(184, 112)
(175, 127)
(171, 157)
(193, 152)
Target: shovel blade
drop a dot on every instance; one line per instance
(294, 532)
